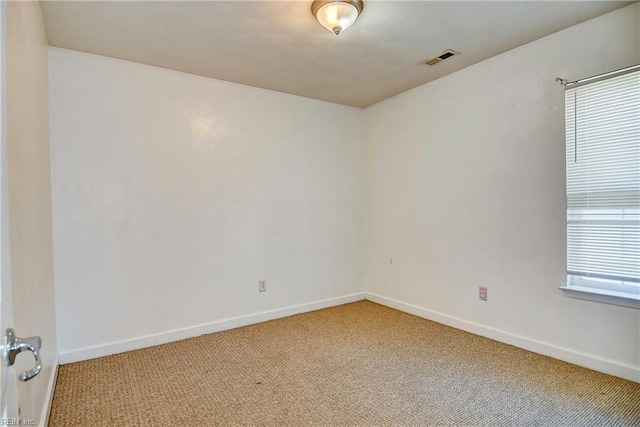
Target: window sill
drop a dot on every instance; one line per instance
(603, 296)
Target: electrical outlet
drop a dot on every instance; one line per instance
(262, 286)
(482, 291)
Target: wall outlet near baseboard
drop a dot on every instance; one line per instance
(482, 293)
(262, 286)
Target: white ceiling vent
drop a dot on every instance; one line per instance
(444, 55)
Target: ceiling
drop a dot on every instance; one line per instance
(279, 45)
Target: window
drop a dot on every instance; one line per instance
(603, 187)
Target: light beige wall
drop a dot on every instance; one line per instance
(174, 194)
(30, 195)
(465, 187)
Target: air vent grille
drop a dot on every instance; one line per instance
(444, 55)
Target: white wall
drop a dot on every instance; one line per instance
(29, 188)
(174, 194)
(465, 186)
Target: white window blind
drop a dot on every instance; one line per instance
(603, 179)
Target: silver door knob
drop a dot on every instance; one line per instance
(14, 345)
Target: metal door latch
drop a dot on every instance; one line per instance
(13, 346)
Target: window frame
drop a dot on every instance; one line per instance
(603, 290)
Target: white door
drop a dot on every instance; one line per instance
(9, 394)
(10, 345)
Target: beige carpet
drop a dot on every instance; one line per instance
(357, 364)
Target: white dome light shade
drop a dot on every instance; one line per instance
(336, 16)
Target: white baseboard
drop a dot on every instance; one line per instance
(581, 359)
(122, 346)
(51, 388)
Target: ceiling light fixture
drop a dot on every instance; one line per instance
(336, 15)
